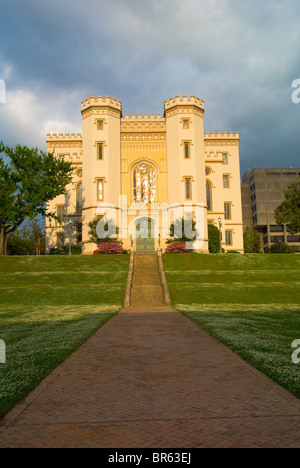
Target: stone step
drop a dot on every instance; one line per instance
(146, 286)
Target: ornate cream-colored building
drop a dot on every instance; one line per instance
(158, 163)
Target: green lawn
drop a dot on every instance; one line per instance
(249, 302)
(48, 307)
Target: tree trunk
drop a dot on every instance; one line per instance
(2, 241)
(6, 236)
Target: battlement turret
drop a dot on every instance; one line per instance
(101, 101)
(184, 101)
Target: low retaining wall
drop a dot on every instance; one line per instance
(127, 300)
(163, 279)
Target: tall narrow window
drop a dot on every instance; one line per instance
(209, 196)
(226, 181)
(100, 151)
(100, 124)
(225, 158)
(100, 190)
(228, 237)
(188, 188)
(79, 233)
(60, 214)
(187, 150)
(79, 198)
(227, 209)
(186, 124)
(60, 240)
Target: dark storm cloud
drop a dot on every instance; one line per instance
(239, 56)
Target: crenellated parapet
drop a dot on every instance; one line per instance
(184, 105)
(143, 118)
(65, 142)
(143, 123)
(64, 137)
(101, 105)
(221, 139)
(212, 135)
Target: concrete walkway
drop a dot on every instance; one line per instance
(151, 378)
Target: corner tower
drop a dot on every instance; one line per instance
(101, 126)
(186, 154)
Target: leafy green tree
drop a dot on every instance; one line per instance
(25, 241)
(282, 248)
(178, 227)
(213, 239)
(30, 180)
(105, 225)
(252, 241)
(289, 210)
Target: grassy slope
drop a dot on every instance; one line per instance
(251, 303)
(48, 307)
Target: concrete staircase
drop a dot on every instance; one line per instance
(146, 286)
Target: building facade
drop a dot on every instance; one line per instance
(262, 193)
(160, 165)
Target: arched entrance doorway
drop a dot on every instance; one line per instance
(144, 230)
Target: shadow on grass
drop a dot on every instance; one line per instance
(35, 349)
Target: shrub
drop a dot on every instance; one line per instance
(76, 250)
(213, 239)
(233, 252)
(176, 247)
(110, 248)
(282, 248)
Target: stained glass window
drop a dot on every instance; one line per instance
(144, 184)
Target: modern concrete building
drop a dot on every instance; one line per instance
(156, 163)
(262, 193)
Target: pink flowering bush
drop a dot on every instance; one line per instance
(110, 248)
(176, 247)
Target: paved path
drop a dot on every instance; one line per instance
(151, 378)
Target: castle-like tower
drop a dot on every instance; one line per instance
(146, 168)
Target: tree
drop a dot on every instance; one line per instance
(289, 210)
(105, 225)
(178, 228)
(30, 180)
(281, 248)
(25, 241)
(213, 239)
(252, 241)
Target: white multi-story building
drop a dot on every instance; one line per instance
(156, 162)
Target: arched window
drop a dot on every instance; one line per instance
(144, 184)
(209, 195)
(79, 198)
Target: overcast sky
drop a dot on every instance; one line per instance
(240, 56)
